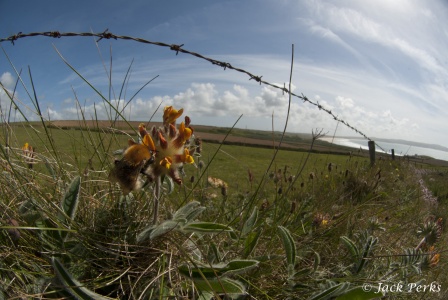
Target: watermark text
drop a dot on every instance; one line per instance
(400, 287)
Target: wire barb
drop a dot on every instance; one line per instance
(256, 78)
(55, 34)
(106, 35)
(15, 37)
(222, 64)
(176, 48)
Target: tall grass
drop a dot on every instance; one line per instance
(243, 225)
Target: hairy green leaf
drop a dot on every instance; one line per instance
(368, 246)
(50, 168)
(145, 233)
(354, 251)
(230, 287)
(189, 211)
(207, 227)
(168, 184)
(163, 228)
(250, 222)
(70, 200)
(213, 255)
(71, 285)
(251, 242)
(316, 261)
(288, 244)
(218, 270)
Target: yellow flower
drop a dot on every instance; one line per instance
(146, 138)
(28, 152)
(166, 162)
(434, 258)
(170, 115)
(185, 158)
(162, 140)
(321, 220)
(183, 136)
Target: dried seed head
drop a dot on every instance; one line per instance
(198, 145)
(224, 191)
(293, 206)
(187, 121)
(251, 175)
(264, 205)
(216, 182)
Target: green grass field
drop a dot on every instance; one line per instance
(300, 226)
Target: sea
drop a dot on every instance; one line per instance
(399, 148)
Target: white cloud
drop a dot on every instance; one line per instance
(7, 80)
(344, 102)
(406, 27)
(6, 92)
(54, 115)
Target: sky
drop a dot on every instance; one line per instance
(381, 65)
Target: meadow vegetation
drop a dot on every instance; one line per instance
(313, 225)
(241, 222)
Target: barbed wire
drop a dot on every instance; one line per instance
(178, 48)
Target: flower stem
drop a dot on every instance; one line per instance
(156, 199)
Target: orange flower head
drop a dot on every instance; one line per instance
(162, 152)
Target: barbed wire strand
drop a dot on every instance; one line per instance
(178, 48)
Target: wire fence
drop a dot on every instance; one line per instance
(178, 49)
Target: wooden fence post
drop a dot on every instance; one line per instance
(372, 152)
(393, 154)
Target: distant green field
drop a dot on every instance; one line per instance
(232, 162)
